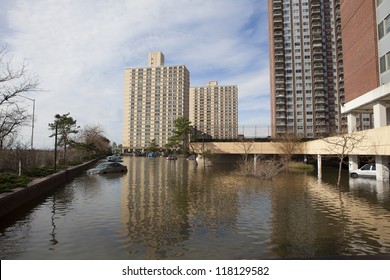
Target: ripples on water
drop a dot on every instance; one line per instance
(176, 210)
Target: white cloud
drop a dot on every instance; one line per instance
(79, 50)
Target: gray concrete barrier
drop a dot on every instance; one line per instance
(10, 201)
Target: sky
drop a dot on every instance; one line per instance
(80, 49)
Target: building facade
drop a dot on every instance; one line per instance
(154, 97)
(306, 67)
(214, 111)
(366, 47)
(383, 24)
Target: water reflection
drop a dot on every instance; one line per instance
(176, 210)
(53, 240)
(321, 220)
(165, 205)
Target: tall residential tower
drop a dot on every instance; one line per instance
(214, 111)
(307, 83)
(154, 97)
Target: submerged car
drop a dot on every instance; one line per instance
(108, 167)
(191, 157)
(367, 170)
(114, 158)
(171, 157)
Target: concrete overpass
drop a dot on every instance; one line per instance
(372, 142)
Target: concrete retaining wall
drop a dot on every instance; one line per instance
(12, 200)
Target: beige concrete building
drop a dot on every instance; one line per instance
(214, 110)
(154, 97)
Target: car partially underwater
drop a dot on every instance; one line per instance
(108, 167)
(367, 170)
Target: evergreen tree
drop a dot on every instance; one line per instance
(181, 134)
(63, 126)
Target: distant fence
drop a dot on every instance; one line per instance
(12, 160)
(254, 130)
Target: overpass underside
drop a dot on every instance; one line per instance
(372, 142)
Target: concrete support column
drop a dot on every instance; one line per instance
(380, 115)
(255, 163)
(351, 121)
(382, 168)
(382, 188)
(353, 162)
(319, 166)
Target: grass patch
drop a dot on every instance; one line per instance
(301, 166)
(38, 172)
(9, 181)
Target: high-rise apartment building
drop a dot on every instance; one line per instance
(214, 111)
(366, 45)
(383, 23)
(154, 97)
(307, 83)
(366, 50)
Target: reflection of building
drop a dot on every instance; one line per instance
(319, 220)
(306, 67)
(154, 97)
(214, 110)
(165, 204)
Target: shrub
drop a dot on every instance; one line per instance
(9, 181)
(300, 165)
(38, 172)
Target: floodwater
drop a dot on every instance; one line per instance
(166, 209)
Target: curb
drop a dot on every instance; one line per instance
(10, 201)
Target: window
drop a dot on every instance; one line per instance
(384, 27)
(388, 61)
(382, 64)
(387, 24)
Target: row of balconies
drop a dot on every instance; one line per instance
(315, 5)
(319, 100)
(279, 73)
(317, 57)
(279, 66)
(279, 46)
(316, 39)
(319, 79)
(278, 26)
(316, 18)
(320, 108)
(278, 40)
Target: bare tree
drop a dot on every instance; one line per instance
(91, 138)
(342, 145)
(244, 166)
(12, 117)
(259, 166)
(14, 82)
(289, 145)
(269, 168)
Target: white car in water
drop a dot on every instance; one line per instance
(367, 170)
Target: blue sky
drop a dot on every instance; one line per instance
(79, 50)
